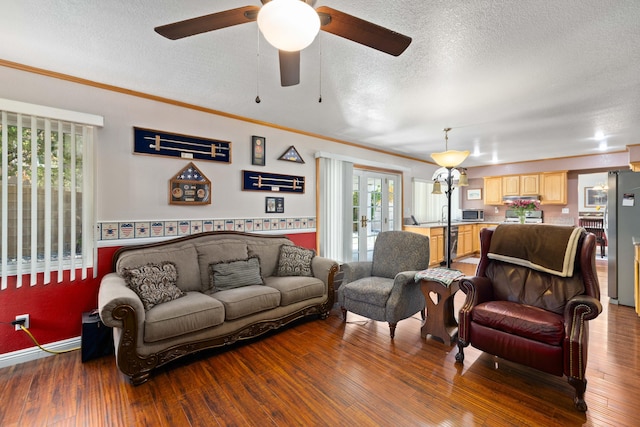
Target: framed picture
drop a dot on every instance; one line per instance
(274, 205)
(594, 197)
(258, 149)
(474, 194)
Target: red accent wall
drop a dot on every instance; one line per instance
(55, 310)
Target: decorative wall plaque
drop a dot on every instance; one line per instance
(263, 181)
(153, 142)
(292, 155)
(190, 187)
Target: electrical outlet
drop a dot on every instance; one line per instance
(24, 317)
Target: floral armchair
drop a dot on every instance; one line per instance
(384, 289)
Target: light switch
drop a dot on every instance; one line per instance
(565, 210)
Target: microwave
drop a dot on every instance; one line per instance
(472, 215)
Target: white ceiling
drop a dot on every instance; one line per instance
(515, 80)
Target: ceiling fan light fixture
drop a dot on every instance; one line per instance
(289, 25)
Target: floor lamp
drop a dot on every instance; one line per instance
(449, 159)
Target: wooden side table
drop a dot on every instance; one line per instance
(440, 322)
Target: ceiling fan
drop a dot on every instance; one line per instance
(291, 43)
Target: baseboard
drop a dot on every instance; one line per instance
(34, 353)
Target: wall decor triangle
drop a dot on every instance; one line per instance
(292, 155)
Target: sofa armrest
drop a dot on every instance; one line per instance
(323, 267)
(356, 270)
(114, 293)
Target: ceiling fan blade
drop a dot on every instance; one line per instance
(203, 24)
(289, 68)
(363, 32)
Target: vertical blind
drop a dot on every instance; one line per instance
(335, 179)
(47, 206)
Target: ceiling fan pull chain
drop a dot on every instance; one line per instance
(258, 71)
(320, 74)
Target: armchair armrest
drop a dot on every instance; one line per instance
(356, 270)
(578, 309)
(576, 313)
(478, 290)
(406, 297)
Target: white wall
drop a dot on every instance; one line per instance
(135, 187)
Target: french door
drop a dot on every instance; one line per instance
(375, 201)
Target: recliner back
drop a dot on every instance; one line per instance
(523, 285)
(397, 251)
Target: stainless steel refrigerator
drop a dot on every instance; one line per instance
(623, 213)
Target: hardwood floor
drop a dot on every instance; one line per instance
(329, 373)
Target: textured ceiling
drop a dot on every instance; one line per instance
(515, 80)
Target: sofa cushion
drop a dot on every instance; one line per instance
(218, 251)
(296, 288)
(295, 261)
(153, 283)
(240, 302)
(193, 312)
(268, 251)
(184, 257)
(234, 274)
(520, 319)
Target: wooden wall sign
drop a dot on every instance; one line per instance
(263, 181)
(153, 142)
(189, 187)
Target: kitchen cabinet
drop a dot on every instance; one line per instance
(493, 190)
(497, 187)
(436, 246)
(530, 185)
(465, 240)
(436, 241)
(553, 188)
(475, 245)
(511, 185)
(521, 185)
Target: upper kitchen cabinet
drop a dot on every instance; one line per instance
(497, 187)
(511, 185)
(529, 185)
(553, 188)
(493, 190)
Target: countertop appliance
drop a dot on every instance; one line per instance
(531, 217)
(622, 224)
(473, 215)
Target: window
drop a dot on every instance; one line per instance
(428, 207)
(46, 192)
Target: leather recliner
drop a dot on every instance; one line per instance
(533, 317)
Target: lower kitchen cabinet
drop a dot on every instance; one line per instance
(436, 241)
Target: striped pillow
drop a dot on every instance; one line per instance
(234, 274)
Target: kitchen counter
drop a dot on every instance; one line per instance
(453, 224)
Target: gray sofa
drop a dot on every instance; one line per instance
(165, 300)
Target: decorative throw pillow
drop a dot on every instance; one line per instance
(234, 274)
(295, 261)
(154, 283)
